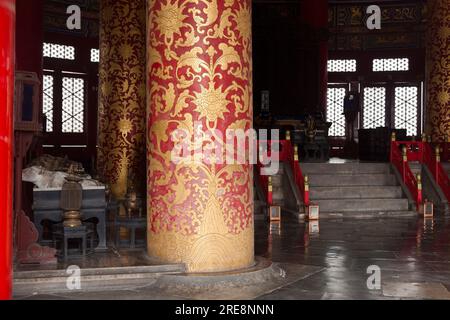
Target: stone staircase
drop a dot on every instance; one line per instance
(446, 166)
(285, 193)
(356, 189)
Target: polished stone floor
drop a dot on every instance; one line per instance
(412, 256)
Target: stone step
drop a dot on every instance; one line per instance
(27, 283)
(345, 168)
(277, 180)
(332, 180)
(446, 166)
(363, 205)
(367, 214)
(361, 192)
(416, 167)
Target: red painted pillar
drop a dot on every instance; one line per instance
(200, 212)
(315, 14)
(7, 23)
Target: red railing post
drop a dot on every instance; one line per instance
(269, 192)
(437, 163)
(7, 27)
(306, 193)
(404, 162)
(296, 163)
(419, 191)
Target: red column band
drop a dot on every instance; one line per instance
(7, 24)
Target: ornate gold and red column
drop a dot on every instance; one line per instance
(200, 212)
(122, 110)
(438, 69)
(7, 27)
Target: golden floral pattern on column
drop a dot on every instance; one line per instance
(438, 68)
(122, 110)
(200, 80)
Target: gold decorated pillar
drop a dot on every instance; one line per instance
(122, 102)
(200, 212)
(438, 69)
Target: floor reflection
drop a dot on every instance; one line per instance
(412, 254)
(407, 250)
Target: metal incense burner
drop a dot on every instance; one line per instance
(133, 203)
(311, 129)
(71, 201)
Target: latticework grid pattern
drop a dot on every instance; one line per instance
(406, 109)
(59, 51)
(95, 55)
(48, 101)
(342, 65)
(397, 64)
(374, 110)
(335, 109)
(73, 105)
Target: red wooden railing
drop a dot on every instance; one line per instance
(433, 161)
(266, 184)
(265, 180)
(301, 181)
(422, 152)
(411, 151)
(288, 154)
(444, 150)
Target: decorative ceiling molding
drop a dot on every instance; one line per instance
(403, 26)
(55, 17)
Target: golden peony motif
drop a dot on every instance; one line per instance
(169, 20)
(243, 23)
(126, 51)
(444, 33)
(211, 103)
(125, 126)
(443, 97)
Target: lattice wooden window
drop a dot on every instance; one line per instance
(95, 55)
(406, 109)
(48, 101)
(342, 65)
(396, 64)
(374, 108)
(59, 51)
(73, 105)
(335, 109)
